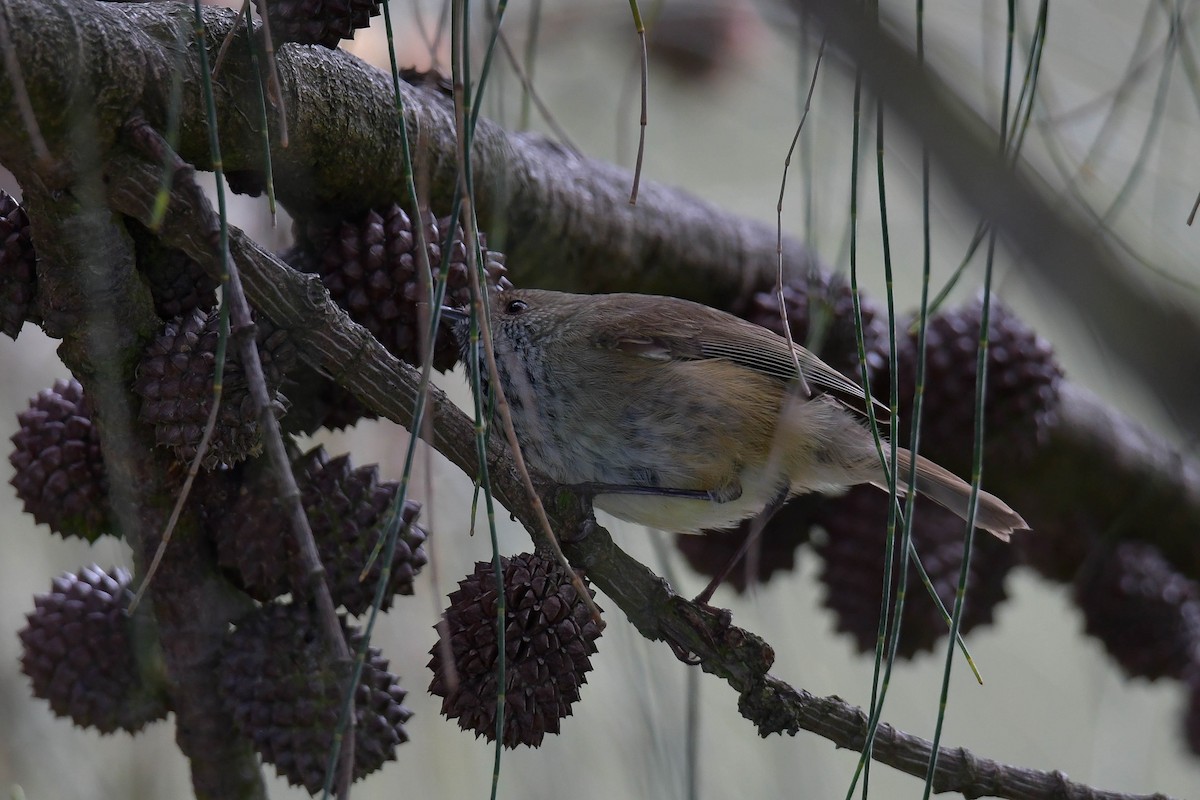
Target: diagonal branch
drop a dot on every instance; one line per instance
(328, 340)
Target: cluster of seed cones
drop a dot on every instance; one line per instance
(377, 266)
(278, 680)
(282, 689)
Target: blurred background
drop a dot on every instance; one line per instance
(1115, 129)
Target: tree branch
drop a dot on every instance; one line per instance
(567, 219)
(1064, 252)
(327, 340)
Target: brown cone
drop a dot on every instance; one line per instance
(549, 636)
(284, 691)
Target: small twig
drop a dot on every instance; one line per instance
(274, 87)
(219, 61)
(645, 63)
(779, 274)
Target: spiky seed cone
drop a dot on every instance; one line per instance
(549, 636)
(78, 651)
(349, 506)
(1023, 381)
(347, 510)
(369, 266)
(853, 553)
(18, 267)
(778, 543)
(1146, 614)
(322, 22)
(284, 690)
(59, 467)
(175, 382)
(177, 282)
(821, 315)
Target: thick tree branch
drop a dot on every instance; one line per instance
(96, 300)
(1134, 320)
(567, 219)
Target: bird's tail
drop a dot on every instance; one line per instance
(953, 493)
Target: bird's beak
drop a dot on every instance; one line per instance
(455, 315)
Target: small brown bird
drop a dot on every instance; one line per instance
(685, 418)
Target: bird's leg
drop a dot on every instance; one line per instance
(711, 624)
(585, 528)
(756, 528)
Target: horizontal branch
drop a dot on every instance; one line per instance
(565, 220)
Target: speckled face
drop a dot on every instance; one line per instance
(459, 322)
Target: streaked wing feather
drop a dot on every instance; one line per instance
(760, 349)
(781, 365)
(745, 344)
(645, 347)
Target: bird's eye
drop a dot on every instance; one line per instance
(516, 306)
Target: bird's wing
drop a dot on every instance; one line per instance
(761, 350)
(736, 340)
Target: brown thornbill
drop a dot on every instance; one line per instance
(684, 418)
